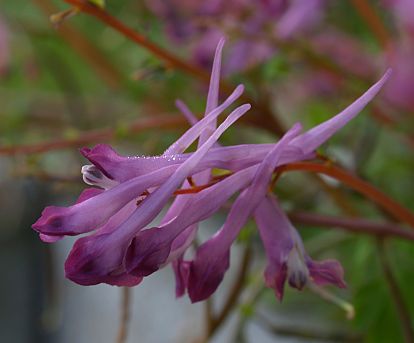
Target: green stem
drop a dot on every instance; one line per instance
(395, 292)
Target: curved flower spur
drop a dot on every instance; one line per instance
(130, 192)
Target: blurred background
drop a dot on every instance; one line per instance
(79, 82)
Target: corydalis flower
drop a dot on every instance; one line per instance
(286, 255)
(153, 248)
(122, 250)
(253, 23)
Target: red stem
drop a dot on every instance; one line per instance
(263, 118)
(391, 206)
(373, 21)
(161, 53)
(93, 136)
(356, 225)
(369, 191)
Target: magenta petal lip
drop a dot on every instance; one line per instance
(99, 155)
(51, 221)
(328, 272)
(206, 273)
(147, 252)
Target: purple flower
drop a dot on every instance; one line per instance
(151, 248)
(252, 24)
(203, 275)
(91, 213)
(212, 258)
(122, 250)
(93, 260)
(286, 255)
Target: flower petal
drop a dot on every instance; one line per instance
(275, 233)
(108, 161)
(318, 135)
(286, 255)
(123, 168)
(194, 132)
(89, 258)
(150, 248)
(191, 118)
(326, 272)
(116, 167)
(181, 271)
(213, 92)
(99, 256)
(91, 213)
(93, 176)
(212, 257)
(87, 193)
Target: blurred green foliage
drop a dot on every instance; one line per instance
(52, 90)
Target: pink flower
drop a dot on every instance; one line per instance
(122, 249)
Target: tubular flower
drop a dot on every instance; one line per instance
(128, 193)
(287, 259)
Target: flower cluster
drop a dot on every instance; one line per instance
(130, 192)
(253, 24)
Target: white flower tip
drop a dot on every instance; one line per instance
(298, 272)
(94, 177)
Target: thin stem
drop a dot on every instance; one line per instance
(263, 118)
(373, 21)
(196, 189)
(257, 289)
(395, 292)
(91, 136)
(141, 40)
(356, 225)
(384, 201)
(347, 307)
(338, 198)
(125, 315)
(85, 48)
(392, 207)
(208, 309)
